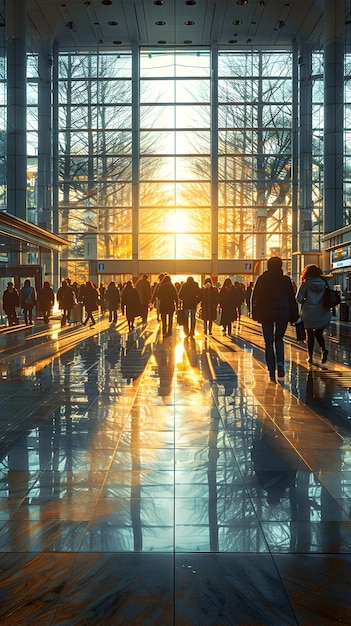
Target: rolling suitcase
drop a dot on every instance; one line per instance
(77, 313)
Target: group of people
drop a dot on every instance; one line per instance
(189, 301)
(26, 299)
(276, 303)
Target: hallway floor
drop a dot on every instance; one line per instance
(151, 482)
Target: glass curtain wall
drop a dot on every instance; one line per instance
(316, 213)
(175, 172)
(174, 156)
(95, 162)
(255, 119)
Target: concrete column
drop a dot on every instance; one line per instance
(16, 109)
(334, 26)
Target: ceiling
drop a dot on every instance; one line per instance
(120, 23)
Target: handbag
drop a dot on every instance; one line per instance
(331, 298)
(181, 317)
(300, 330)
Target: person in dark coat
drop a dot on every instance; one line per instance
(190, 295)
(28, 299)
(143, 288)
(315, 316)
(274, 306)
(240, 297)
(168, 301)
(248, 295)
(209, 303)
(130, 303)
(46, 300)
(10, 300)
(65, 298)
(228, 299)
(113, 300)
(91, 301)
(154, 299)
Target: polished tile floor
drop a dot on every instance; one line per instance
(169, 482)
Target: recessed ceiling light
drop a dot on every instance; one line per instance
(190, 3)
(162, 42)
(159, 3)
(237, 22)
(242, 2)
(160, 23)
(189, 23)
(233, 41)
(112, 23)
(106, 2)
(116, 42)
(188, 41)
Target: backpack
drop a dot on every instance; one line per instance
(331, 298)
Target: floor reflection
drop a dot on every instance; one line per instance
(146, 481)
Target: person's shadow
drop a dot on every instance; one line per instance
(274, 464)
(164, 355)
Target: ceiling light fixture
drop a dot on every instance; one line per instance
(189, 23)
(159, 3)
(190, 3)
(237, 22)
(117, 43)
(160, 23)
(242, 2)
(112, 23)
(188, 42)
(106, 2)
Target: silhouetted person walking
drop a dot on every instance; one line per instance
(274, 305)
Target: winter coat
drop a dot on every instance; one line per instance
(112, 297)
(209, 302)
(27, 297)
(190, 294)
(46, 298)
(131, 302)
(91, 298)
(273, 298)
(228, 301)
(143, 288)
(310, 295)
(168, 298)
(10, 300)
(65, 297)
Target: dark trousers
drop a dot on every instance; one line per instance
(312, 334)
(273, 334)
(167, 322)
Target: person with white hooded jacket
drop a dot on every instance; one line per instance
(316, 317)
